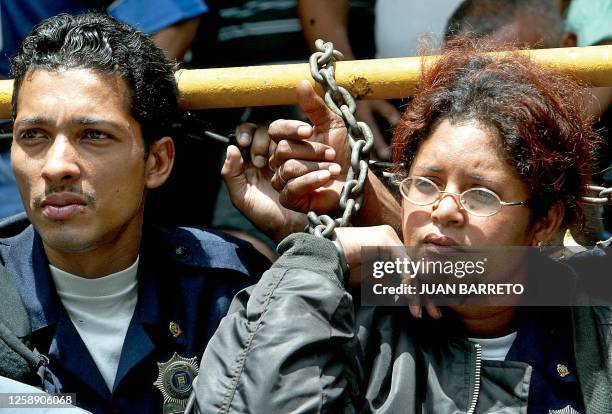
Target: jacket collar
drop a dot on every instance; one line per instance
(27, 264)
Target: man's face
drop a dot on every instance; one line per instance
(79, 159)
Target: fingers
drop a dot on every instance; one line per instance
(383, 152)
(314, 107)
(257, 139)
(415, 308)
(289, 129)
(296, 191)
(244, 133)
(364, 113)
(260, 146)
(233, 175)
(296, 168)
(433, 310)
(308, 151)
(392, 116)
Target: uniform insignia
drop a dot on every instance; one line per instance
(175, 381)
(566, 410)
(175, 329)
(562, 370)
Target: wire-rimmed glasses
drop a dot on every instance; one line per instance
(478, 201)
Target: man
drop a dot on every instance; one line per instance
(170, 23)
(109, 297)
(525, 23)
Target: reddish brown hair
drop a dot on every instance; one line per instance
(546, 131)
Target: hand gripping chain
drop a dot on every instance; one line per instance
(360, 140)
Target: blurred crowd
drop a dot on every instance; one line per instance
(211, 33)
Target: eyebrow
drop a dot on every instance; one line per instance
(480, 178)
(437, 170)
(82, 121)
(87, 121)
(33, 120)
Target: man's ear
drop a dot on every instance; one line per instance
(159, 162)
(569, 39)
(546, 227)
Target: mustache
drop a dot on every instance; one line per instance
(89, 197)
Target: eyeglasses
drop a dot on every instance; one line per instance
(477, 201)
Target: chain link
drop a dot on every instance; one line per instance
(360, 139)
(603, 195)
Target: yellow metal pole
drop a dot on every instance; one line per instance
(367, 79)
(6, 91)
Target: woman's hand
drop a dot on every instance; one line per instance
(352, 239)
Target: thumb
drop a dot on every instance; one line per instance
(313, 105)
(233, 175)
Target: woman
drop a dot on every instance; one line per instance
(499, 131)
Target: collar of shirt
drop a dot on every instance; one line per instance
(26, 262)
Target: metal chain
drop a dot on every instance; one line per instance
(360, 140)
(603, 195)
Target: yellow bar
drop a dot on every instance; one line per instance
(6, 91)
(368, 79)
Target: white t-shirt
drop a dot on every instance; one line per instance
(495, 349)
(101, 310)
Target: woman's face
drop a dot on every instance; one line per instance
(458, 157)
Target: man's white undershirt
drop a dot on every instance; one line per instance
(495, 349)
(101, 310)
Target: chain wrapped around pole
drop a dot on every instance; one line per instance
(360, 140)
(602, 195)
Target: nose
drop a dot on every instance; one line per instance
(61, 164)
(447, 211)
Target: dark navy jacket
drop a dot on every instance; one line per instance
(185, 275)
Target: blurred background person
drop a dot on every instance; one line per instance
(400, 24)
(589, 23)
(337, 22)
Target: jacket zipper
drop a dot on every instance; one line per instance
(472, 407)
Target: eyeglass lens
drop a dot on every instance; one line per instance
(478, 201)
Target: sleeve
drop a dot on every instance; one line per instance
(593, 267)
(287, 343)
(152, 16)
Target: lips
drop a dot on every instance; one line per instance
(62, 206)
(439, 240)
(439, 244)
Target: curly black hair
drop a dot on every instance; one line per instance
(98, 42)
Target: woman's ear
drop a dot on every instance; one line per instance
(159, 162)
(546, 227)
